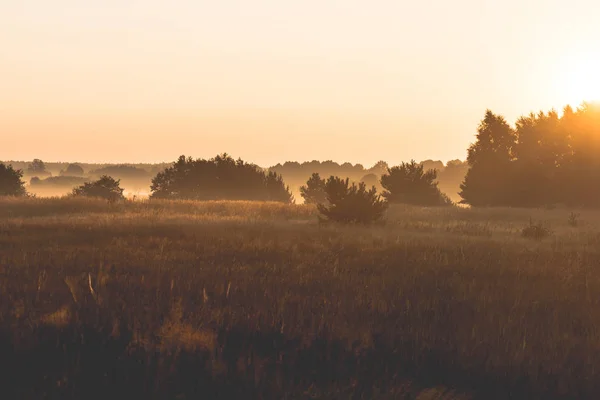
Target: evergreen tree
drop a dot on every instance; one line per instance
(351, 203)
(409, 183)
(314, 190)
(488, 181)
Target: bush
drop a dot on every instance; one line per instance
(106, 188)
(10, 181)
(535, 231)
(220, 178)
(314, 190)
(409, 183)
(351, 203)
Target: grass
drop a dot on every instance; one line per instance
(257, 300)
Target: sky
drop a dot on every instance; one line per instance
(277, 80)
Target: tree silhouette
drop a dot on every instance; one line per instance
(372, 180)
(314, 190)
(409, 183)
(73, 170)
(37, 168)
(351, 203)
(11, 183)
(546, 159)
(105, 188)
(487, 182)
(220, 178)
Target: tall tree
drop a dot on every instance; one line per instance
(488, 180)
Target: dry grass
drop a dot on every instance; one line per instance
(260, 297)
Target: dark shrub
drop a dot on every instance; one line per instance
(220, 178)
(351, 203)
(106, 188)
(409, 183)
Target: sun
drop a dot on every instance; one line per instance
(580, 80)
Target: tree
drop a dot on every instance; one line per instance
(379, 168)
(37, 168)
(106, 188)
(314, 190)
(220, 178)
(409, 183)
(11, 183)
(370, 180)
(351, 203)
(488, 181)
(73, 170)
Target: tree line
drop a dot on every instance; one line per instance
(546, 158)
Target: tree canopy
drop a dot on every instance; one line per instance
(105, 188)
(219, 178)
(314, 190)
(546, 158)
(11, 183)
(409, 183)
(351, 203)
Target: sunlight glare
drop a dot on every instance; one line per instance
(581, 80)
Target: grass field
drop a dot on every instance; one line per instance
(257, 300)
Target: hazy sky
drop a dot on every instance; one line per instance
(276, 80)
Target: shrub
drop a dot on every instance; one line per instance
(106, 188)
(535, 231)
(314, 190)
(409, 183)
(220, 178)
(10, 181)
(351, 203)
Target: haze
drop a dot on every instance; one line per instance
(270, 81)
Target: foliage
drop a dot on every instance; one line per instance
(409, 183)
(314, 190)
(73, 170)
(351, 203)
(106, 188)
(546, 159)
(11, 183)
(220, 178)
(490, 155)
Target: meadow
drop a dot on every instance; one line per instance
(181, 299)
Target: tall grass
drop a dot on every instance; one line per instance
(258, 300)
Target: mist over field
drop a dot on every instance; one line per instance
(312, 199)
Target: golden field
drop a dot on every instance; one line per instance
(154, 299)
